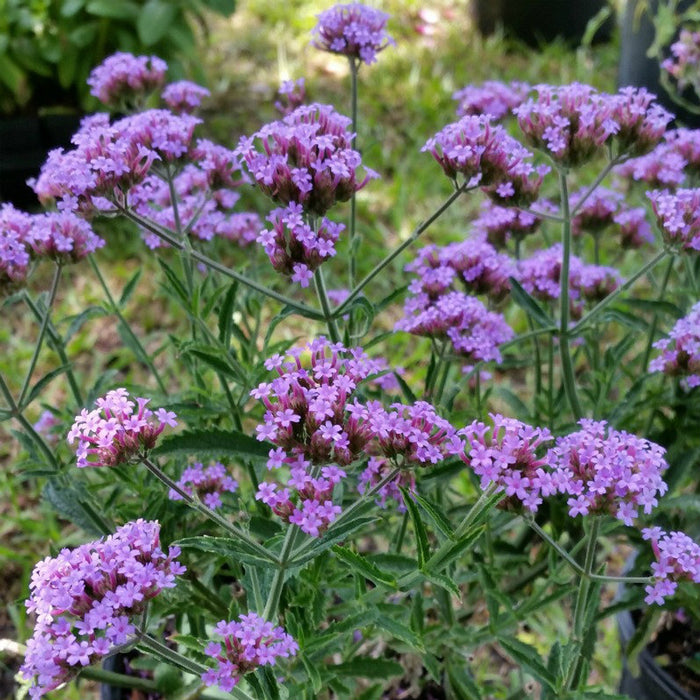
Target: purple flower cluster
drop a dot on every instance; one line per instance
(184, 96)
(486, 155)
(680, 351)
(113, 433)
(246, 644)
(291, 94)
(508, 454)
(294, 247)
(540, 276)
(493, 98)
(46, 426)
(634, 228)
(473, 264)
(572, 123)
(353, 30)
(306, 158)
(379, 468)
(207, 483)
(14, 256)
(122, 77)
(84, 599)
(677, 559)
(683, 66)
(603, 470)
(474, 331)
(109, 159)
(501, 224)
(678, 216)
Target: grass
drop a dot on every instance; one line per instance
(404, 99)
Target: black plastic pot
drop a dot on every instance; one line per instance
(637, 69)
(538, 21)
(653, 683)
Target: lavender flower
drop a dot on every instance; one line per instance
(14, 256)
(208, 483)
(84, 599)
(246, 644)
(184, 96)
(113, 433)
(683, 66)
(635, 230)
(662, 167)
(379, 468)
(294, 247)
(597, 212)
(123, 77)
(678, 216)
(501, 224)
(306, 158)
(603, 470)
(46, 425)
(493, 98)
(677, 559)
(509, 454)
(62, 236)
(680, 351)
(353, 30)
(291, 94)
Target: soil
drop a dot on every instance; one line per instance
(675, 642)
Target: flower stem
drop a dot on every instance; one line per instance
(655, 320)
(418, 231)
(42, 332)
(273, 598)
(325, 305)
(354, 65)
(568, 377)
(205, 511)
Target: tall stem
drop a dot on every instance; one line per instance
(42, 333)
(322, 294)
(655, 320)
(567, 366)
(354, 65)
(273, 599)
(207, 512)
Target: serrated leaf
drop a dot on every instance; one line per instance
(227, 366)
(456, 550)
(462, 683)
(221, 442)
(43, 383)
(443, 582)
(364, 567)
(71, 502)
(530, 305)
(227, 547)
(399, 630)
(440, 522)
(419, 529)
(312, 672)
(528, 658)
(368, 667)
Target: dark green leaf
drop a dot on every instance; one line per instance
(367, 667)
(77, 322)
(154, 20)
(213, 441)
(174, 283)
(225, 365)
(399, 630)
(226, 314)
(531, 306)
(71, 7)
(364, 567)
(129, 287)
(405, 389)
(462, 683)
(43, 382)
(222, 7)
(433, 512)
(527, 656)
(228, 547)
(655, 306)
(124, 9)
(71, 502)
(459, 547)
(443, 582)
(312, 672)
(419, 529)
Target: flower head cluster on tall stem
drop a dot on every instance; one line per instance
(498, 225)
(208, 483)
(680, 350)
(353, 30)
(184, 96)
(246, 644)
(677, 559)
(291, 94)
(14, 256)
(114, 433)
(306, 158)
(683, 65)
(84, 600)
(124, 76)
(603, 470)
(492, 98)
(678, 216)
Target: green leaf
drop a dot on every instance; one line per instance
(433, 512)
(367, 667)
(531, 306)
(443, 582)
(124, 9)
(655, 306)
(222, 7)
(175, 285)
(399, 630)
(11, 74)
(42, 383)
(71, 7)
(226, 314)
(78, 321)
(405, 389)
(364, 567)
(312, 672)
(462, 683)
(129, 288)
(515, 403)
(228, 547)
(419, 529)
(460, 546)
(71, 502)
(225, 365)
(66, 68)
(527, 656)
(213, 441)
(154, 21)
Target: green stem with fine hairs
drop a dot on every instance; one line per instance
(328, 317)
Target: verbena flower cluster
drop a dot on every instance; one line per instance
(486, 155)
(500, 225)
(680, 351)
(291, 94)
(84, 600)
(353, 30)
(678, 216)
(296, 248)
(306, 158)
(207, 483)
(118, 431)
(246, 644)
(14, 256)
(572, 123)
(184, 96)
(677, 559)
(492, 98)
(123, 76)
(683, 66)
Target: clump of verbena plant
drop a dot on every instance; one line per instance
(355, 519)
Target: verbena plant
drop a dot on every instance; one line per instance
(385, 523)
